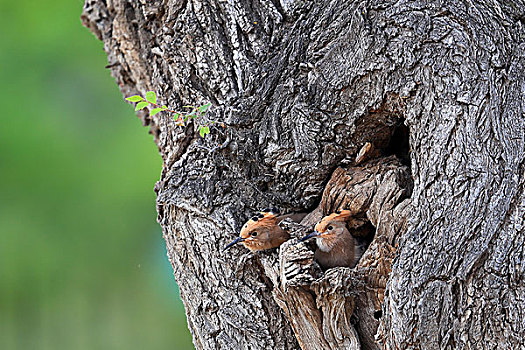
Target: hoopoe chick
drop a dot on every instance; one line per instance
(262, 231)
(335, 244)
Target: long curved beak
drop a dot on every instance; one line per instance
(313, 234)
(237, 240)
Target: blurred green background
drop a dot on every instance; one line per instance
(82, 260)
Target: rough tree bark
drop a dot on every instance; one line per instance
(300, 87)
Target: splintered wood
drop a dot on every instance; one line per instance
(342, 306)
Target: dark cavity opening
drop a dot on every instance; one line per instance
(378, 314)
(363, 236)
(399, 144)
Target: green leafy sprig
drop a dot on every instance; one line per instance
(180, 118)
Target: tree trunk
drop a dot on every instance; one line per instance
(300, 87)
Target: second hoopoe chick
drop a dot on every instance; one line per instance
(335, 244)
(263, 232)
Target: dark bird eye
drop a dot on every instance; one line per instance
(254, 233)
(330, 228)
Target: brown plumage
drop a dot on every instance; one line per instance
(335, 244)
(263, 232)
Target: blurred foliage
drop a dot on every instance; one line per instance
(82, 260)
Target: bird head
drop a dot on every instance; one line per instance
(261, 232)
(330, 227)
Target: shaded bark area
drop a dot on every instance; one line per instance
(338, 308)
(301, 86)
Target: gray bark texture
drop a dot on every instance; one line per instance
(301, 86)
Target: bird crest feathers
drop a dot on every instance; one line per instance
(341, 215)
(264, 218)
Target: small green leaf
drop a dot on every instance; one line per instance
(203, 108)
(164, 107)
(151, 97)
(204, 130)
(155, 111)
(176, 116)
(135, 98)
(141, 105)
